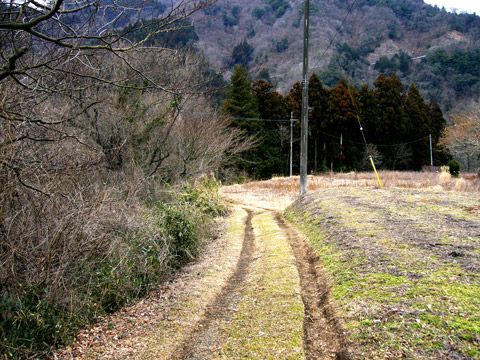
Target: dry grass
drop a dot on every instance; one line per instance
(403, 261)
(285, 189)
(157, 326)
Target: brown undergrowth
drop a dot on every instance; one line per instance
(282, 186)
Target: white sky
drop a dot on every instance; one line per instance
(470, 6)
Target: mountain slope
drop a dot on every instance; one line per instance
(358, 39)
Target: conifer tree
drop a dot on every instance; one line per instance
(437, 123)
(319, 100)
(294, 105)
(272, 146)
(294, 100)
(240, 99)
(390, 101)
(441, 154)
(419, 124)
(369, 114)
(344, 123)
(240, 103)
(271, 104)
(392, 127)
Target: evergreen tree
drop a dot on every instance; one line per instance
(242, 54)
(318, 99)
(390, 102)
(344, 123)
(370, 120)
(240, 99)
(393, 124)
(240, 103)
(437, 123)
(294, 100)
(441, 155)
(369, 114)
(294, 105)
(271, 105)
(419, 121)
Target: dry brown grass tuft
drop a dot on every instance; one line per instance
(285, 189)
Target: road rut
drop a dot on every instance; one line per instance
(260, 294)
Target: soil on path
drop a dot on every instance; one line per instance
(323, 334)
(198, 345)
(191, 316)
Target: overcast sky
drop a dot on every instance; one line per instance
(471, 6)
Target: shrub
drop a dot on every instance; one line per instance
(29, 322)
(185, 220)
(281, 45)
(229, 21)
(127, 255)
(258, 12)
(181, 230)
(454, 168)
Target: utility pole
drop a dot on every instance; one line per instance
(304, 132)
(291, 144)
(431, 150)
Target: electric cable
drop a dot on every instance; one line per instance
(254, 119)
(364, 143)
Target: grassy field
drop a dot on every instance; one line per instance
(404, 265)
(288, 186)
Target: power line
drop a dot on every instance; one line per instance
(255, 119)
(377, 145)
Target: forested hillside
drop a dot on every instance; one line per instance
(437, 50)
(429, 52)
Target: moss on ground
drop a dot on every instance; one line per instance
(404, 268)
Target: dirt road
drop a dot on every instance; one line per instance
(257, 292)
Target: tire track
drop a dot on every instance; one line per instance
(202, 340)
(323, 335)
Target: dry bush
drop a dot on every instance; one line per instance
(462, 138)
(444, 177)
(84, 132)
(88, 246)
(85, 223)
(63, 217)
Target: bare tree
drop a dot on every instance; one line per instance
(203, 142)
(60, 59)
(373, 152)
(39, 38)
(59, 49)
(462, 137)
(90, 117)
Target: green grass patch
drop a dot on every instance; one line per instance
(269, 320)
(398, 298)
